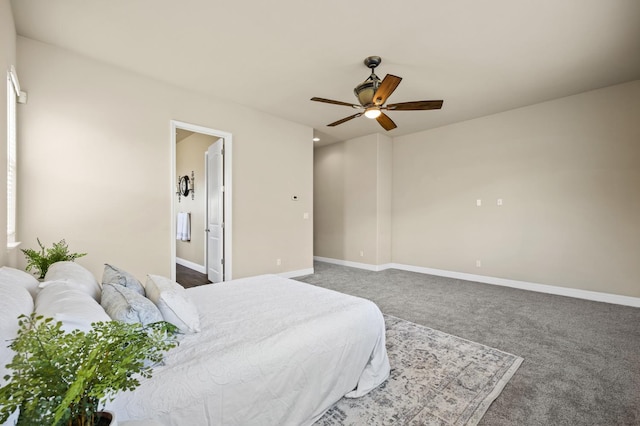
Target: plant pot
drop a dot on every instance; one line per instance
(107, 418)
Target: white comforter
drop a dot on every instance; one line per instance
(272, 351)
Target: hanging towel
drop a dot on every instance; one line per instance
(179, 226)
(183, 228)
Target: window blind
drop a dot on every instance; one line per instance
(11, 159)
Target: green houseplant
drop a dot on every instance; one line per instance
(41, 260)
(65, 378)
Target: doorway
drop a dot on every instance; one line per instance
(194, 204)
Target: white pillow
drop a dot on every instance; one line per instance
(126, 305)
(21, 278)
(66, 302)
(74, 274)
(173, 302)
(14, 301)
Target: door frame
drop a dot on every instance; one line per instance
(228, 240)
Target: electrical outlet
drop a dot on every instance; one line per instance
(361, 253)
(479, 263)
(278, 262)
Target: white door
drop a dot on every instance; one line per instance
(215, 212)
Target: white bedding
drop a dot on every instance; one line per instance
(272, 351)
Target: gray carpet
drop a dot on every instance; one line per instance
(435, 379)
(582, 358)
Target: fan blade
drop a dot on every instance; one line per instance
(386, 122)
(415, 106)
(335, 123)
(386, 88)
(329, 101)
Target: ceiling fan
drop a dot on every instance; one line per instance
(373, 93)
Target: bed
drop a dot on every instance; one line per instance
(271, 351)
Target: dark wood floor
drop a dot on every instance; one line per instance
(189, 278)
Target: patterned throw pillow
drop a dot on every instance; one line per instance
(123, 304)
(115, 275)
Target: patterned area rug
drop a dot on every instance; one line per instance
(436, 379)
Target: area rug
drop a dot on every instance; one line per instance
(436, 379)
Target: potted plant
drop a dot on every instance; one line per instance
(41, 260)
(65, 378)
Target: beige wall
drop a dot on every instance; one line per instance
(95, 167)
(384, 194)
(190, 157)
(568, 172)
(352, 190)
(7, 58)
(329, 203)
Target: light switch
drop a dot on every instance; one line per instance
(478, 203)
(305, 215)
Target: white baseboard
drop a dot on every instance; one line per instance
(523, 285)
(191, 265)
(298, 273)
(367, 266)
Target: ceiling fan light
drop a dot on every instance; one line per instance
(372, 113)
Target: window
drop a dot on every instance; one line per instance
(13, 89)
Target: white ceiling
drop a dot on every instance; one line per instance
(481, 57)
